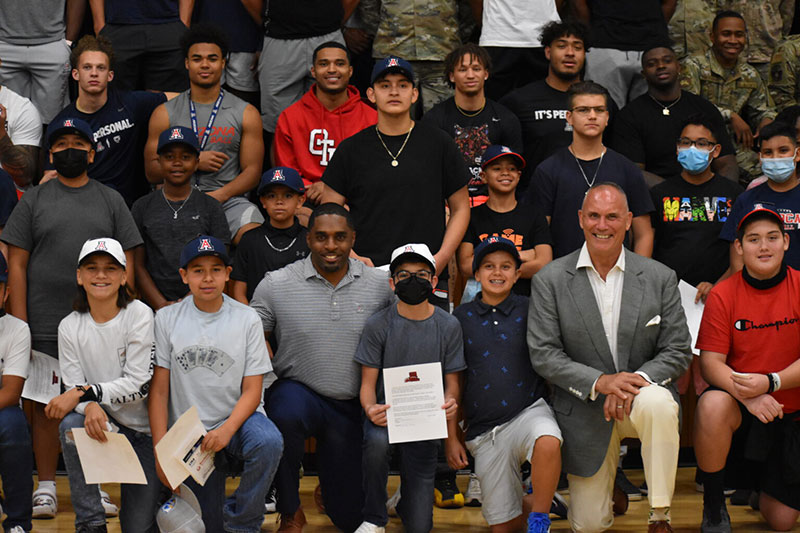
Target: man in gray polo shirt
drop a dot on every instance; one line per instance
(317, 308)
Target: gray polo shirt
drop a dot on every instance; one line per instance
(317, 325)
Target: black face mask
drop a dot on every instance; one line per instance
(413, 290)
(71, 162)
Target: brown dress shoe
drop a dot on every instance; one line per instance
(620, 500)
(661, 526)
(292, 523)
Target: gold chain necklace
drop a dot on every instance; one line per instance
(470, 115)
(393, 156)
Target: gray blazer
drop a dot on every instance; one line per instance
(568, 345)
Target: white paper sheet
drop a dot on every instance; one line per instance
(693, 311)
(416, 395)
(113, 461)
(179, 452)
(44, 378)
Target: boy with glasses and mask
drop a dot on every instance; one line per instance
(413, 331)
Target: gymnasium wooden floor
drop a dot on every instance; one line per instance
(686, 512)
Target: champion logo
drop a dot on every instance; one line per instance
(205, 245)
(101, 245)
(393, 62)
(278, 175)
(68, 123)
(176, 134)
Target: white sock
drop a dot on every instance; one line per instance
(48, 486)
(658, 514)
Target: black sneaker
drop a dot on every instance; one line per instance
(633, 493)
(91, 529)
(446, 494)
(754, 500)
(723, 526)
(741, 497)
(559, 506)
(271, 502)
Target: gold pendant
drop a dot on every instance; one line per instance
(394, 162)
(665, 112)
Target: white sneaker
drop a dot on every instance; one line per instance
(109, 507)
(368, 527)
(45, 504)
(16, 529)
(391, 503)
(472, 498)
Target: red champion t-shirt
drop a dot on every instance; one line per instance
(759, 330)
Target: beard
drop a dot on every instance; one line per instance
(564, 75)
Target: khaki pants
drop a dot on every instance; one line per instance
(654, 420)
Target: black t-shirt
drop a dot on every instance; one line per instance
(687, 221)
(558, 188)
(293, 19)
(232, 18)
(120, 133)
(264, 249)
(141, 11)
(626, 24)
(493, 125)
(392, 206)
(643, 134)
(524, 225)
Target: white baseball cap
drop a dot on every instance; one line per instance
(105, 245)
(421, 251)
(181, 514)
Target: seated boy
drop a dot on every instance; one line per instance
(507, 418)
(413, 331)
(280, 240)
(16, 462)
(210, 353)
(503, 216)
(749, 342)
(168, 218)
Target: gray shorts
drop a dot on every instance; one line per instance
(240, 211)
(38, 72)
(238, 73)
(498, 455)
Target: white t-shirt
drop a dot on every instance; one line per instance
(15, 347)
(516, 23)
(208, 355)
(23, 122)
(115, 357)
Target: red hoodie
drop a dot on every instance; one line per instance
(307, 134)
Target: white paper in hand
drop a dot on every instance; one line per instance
(44, 378)
(416, 395)
(693, 311)
(113, 461)
(175, 448)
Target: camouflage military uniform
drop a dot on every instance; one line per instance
(742, 92)
(784, 82)
(422, 33)
(767, 22)
(690, 25)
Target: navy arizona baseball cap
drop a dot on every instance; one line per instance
(285, 176)
(491, 244)
(178, 135)
(203, 245)
(498, 150)
(391, 65)
(69, 125)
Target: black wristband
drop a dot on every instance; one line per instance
(89, 394)
(771, 383)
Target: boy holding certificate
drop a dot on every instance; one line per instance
(411, 332)
(507, 419)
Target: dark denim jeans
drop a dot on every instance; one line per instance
(16, 468)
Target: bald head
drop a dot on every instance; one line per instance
(605, 219)
(607, 186)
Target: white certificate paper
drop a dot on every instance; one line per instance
(113, 461)
(179, 451)
(416, 395)
(44, 378)
(693, 311)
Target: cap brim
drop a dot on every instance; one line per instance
(406, 256)
(496, 247)
(65, 130)
(505, 154)
(766, 213)
(394, 70)
(221, 255)
(172, 143)
(95, 252)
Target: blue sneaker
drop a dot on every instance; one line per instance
(538, 523)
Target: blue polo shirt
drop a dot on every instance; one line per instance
(500, 381)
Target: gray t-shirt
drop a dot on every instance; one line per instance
(165, 235)
(52, 221)
(208, 355)
(317, 325)
(390, 340)
(225, 136)
(31, 22)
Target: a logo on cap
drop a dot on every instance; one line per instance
(278, 175)
(493, 239)
(205, 245)
(505, 149)
(176, 134)
(68, 123)
(408, 249)
(393, 62)
(101, 245)
(169, 505)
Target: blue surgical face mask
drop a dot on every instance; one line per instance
(778, 169)
(694, 160)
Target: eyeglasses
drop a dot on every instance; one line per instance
(585, 109)
(685, 142)
(424, 275)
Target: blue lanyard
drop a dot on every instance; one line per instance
(193, 112)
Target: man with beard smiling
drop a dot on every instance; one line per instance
(317, 392)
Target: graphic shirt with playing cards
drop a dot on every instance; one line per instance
(208, 355)
(114, 357)
(15, 347)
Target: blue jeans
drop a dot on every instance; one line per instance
(300, 413)
(417, 472)
(258, 444)
(139, 502)
(16, 468)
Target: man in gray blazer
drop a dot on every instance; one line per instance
(607, 329)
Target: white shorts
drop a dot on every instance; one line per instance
(499, 453)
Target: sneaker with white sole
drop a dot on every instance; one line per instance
(16, 529)
(369, 527)
(391, 503)
(271, 503)
(109, 506)
(472, 498)
(45, 504)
